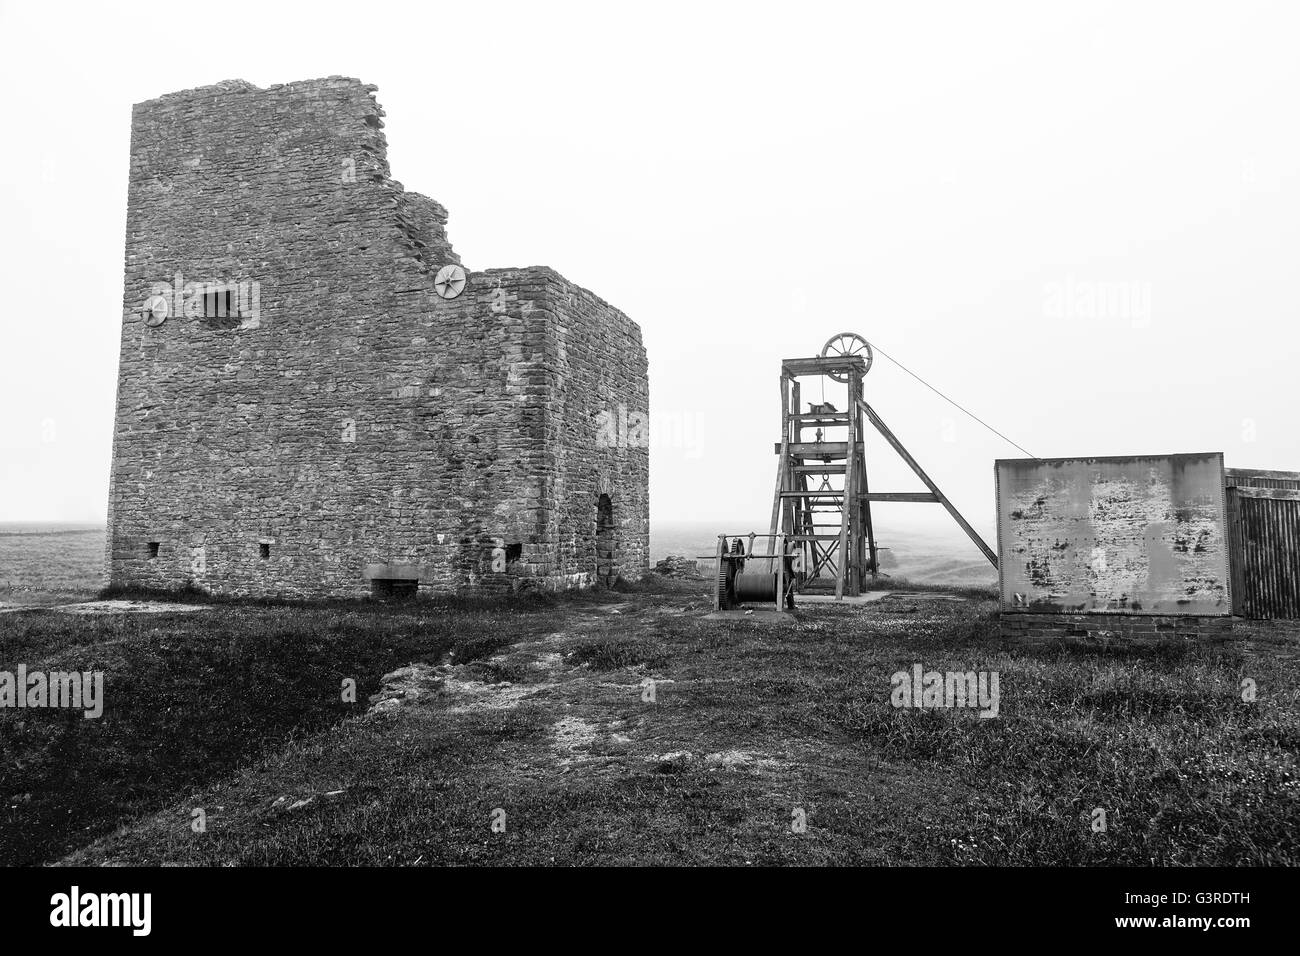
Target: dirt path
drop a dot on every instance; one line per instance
(587, 708)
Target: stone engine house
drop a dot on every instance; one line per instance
(315, 399)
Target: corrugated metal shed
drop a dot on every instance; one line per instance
(1255, 478)
(1263, 510)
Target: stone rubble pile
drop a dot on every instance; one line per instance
(677, 566)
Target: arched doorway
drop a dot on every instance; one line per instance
(605, 540)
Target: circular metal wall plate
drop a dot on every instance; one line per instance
(155, 311)
(450, 281)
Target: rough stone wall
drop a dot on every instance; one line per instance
(598, 404)
(358, 425)
(1132, 628)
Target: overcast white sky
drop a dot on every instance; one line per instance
(964, 184)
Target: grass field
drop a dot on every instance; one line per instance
(539, 711)
(526, 733)
(49, 564)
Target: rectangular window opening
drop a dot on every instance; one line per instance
(265, 550)
(153, 549)
(514, 552)
(220, 303)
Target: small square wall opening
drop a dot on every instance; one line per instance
(514, 552)
(153, 549)
(219, 303)
(394, 589)
(264, 549)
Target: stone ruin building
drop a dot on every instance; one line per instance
(315, 399)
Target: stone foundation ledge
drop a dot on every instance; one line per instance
(1114, 627)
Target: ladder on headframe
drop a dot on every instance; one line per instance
(822, 501)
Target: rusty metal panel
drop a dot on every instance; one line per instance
(1254, 478)
(1127, 535)
(1266, 554)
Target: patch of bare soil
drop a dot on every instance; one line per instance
(584, 708)
(110, 607)
(427, 683)
(130, 607)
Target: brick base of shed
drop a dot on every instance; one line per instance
(1107, 627)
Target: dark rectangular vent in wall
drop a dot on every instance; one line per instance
(221, 307)
(265, 550)
(153, 549)
(220, 303)
(394, 589)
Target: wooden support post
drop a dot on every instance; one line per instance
(863, 503)
(796, 436)
(783, 463)
(848, 544)
(778, 547)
